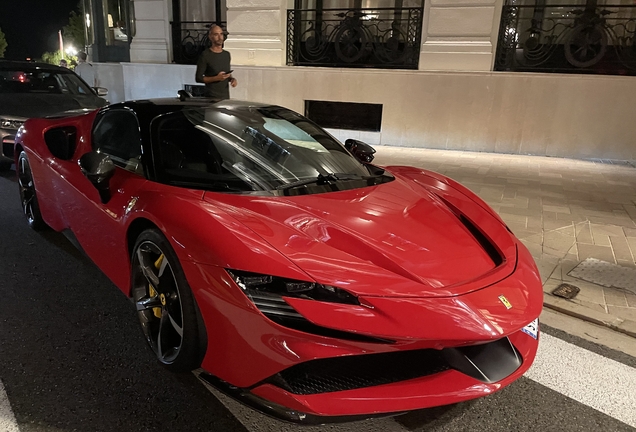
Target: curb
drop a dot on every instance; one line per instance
(566, 307)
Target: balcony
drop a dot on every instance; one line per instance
(544, 36)
(387, 38)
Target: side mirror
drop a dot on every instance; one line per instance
(362, 151)
(101, 91)
(98, 169)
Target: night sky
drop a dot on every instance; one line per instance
(31, 26)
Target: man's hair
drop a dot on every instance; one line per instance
(213, 26)
(81, 55)
(63, 61)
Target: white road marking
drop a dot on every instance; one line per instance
(7, 419)
(591, 379)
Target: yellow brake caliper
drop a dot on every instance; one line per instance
(152, 291)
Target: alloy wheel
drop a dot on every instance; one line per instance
(158, 301)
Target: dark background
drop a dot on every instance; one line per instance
(31, 26)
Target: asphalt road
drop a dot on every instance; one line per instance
(72, 358)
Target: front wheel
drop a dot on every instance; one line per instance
(165, 305)
(28, 197)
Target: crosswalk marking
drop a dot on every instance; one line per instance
(7, 419)
(591, 379)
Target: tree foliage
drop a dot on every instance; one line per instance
(73, 35)
(3, 44)
(54, 57)
(74, 32)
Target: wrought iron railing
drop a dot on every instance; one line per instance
(189, 39)
(580, 38)
(379, 38)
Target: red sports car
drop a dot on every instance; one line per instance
(284, 267)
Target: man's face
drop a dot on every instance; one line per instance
(216, 36)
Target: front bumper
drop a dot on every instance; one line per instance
(448, 382)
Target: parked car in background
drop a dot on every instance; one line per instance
(298, 276)
(29, 89)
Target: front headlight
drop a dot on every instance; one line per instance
(10, 124)
(256, 285)
(267, 292)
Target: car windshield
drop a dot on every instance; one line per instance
(41, 81)
(255, 149)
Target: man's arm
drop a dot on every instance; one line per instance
(198, 76)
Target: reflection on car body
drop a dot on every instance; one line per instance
(298, 276)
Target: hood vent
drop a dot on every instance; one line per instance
(481, 238)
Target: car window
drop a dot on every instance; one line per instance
(116, 133)
(250, 149)
(42, 81)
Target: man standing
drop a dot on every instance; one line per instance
(213, 67)
(85, 69)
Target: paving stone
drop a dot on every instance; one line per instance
(615, 298)
(621, 248)
(591, 305)
(556, 209)
(558, 241)
(583, 233)
(623, 312)
(603, 253)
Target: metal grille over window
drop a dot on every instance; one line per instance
(584, 36)
(381, 37)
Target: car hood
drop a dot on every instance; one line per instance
(394, 239)
(42, 105)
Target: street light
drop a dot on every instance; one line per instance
(71, 51)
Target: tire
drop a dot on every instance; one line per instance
(28, 195)
(168, 314)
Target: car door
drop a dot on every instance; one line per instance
(100, 228)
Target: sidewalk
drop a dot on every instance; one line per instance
(575, 217)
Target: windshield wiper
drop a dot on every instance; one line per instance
(325, 179)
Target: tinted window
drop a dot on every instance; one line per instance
(42, 81)
(116, 133)
(262, 149)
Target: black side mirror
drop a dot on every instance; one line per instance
(98, 169)
(362, 151)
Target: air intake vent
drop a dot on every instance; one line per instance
(352, 372)
(485, 243)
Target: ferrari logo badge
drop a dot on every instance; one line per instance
(505, 302)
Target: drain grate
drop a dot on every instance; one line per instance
(605, 274)
(567, 291)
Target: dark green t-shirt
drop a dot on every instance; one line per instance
(210, 64)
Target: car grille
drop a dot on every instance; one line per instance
(486, 362)
(7, 145)
(359, 371)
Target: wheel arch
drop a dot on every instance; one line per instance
(16, 152)
(135, 228)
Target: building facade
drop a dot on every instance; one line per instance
(544, 77)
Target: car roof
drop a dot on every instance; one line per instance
(29, 65)
(154, 107)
